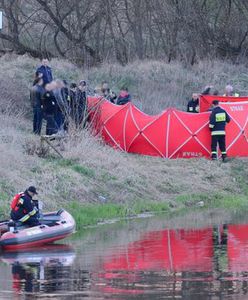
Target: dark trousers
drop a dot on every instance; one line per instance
(60, 120)
(37, 120)
(221, 140)
(32, 221)
(51, 127)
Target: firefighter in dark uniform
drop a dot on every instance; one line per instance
(23, 209)
(217, 124)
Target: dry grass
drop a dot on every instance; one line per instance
(154, 85)
(89, 168)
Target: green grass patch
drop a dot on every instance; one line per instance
(5, 205)
(91, 214)
(191, 199)
(75, 166)
(228, 202)
(83, 170)
(232, 202)
(106, 177)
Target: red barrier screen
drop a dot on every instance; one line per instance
(206, 101)
(171, 134)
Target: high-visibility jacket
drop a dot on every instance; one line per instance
(217, 122)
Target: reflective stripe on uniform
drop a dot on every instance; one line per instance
(33, 212)
(214, 152)
(218, 132)
(224, 152)
(24, 218)
(27, 216)
(211, 126)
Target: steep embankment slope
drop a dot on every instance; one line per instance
(91, 172)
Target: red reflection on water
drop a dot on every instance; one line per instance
(237, 248)
(167, 250)
(170, 250)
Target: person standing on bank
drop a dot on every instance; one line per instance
(193, 104)
(81, 99)
(217, 124)
(46, 71)
(36, 94)
(50, 108)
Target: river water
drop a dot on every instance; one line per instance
(193, 257)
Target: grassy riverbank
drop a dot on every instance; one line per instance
(96, 182)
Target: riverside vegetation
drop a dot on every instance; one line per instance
(95, 182)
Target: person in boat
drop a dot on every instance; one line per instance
(23, 209)
(217, 124)
(193, 104)
(229, 91)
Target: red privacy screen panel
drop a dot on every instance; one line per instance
(171, 134)
(206, 101)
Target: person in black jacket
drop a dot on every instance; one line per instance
(124, 97)
(46, 71)
(81, 104)
(193, 104)
(25, 211)
(36, 94)
(49, 104)
(217, 124)
(72, 101)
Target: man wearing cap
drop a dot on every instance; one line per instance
(217, 124)
(23, 209)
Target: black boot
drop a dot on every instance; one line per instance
(214, 157)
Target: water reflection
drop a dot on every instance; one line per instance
(40, 270)
(208, 263)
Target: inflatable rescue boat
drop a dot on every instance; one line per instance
(54, 226)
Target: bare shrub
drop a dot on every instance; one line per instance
(35, 147)
(154, 85)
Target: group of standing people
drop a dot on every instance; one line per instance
(193, 104)
(62, 104)
(56, 102)
(104, 91)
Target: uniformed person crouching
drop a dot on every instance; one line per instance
(217, 124)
